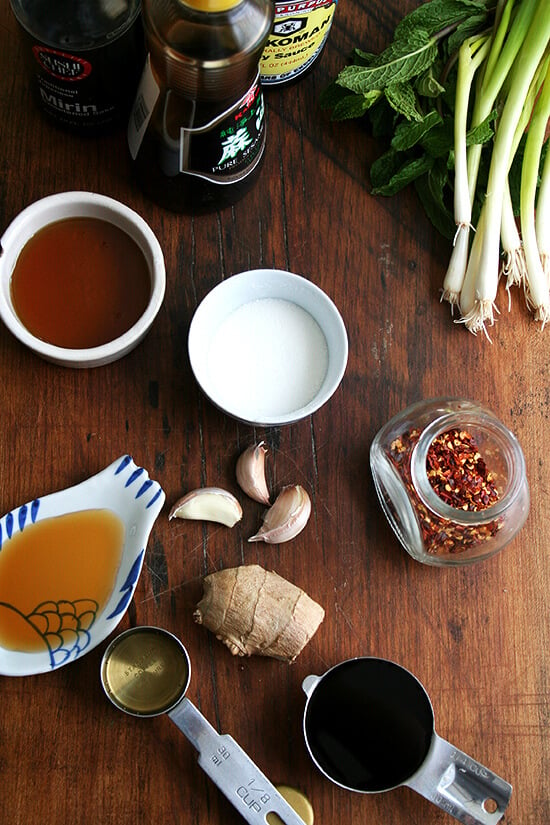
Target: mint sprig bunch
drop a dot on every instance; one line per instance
(408, 92)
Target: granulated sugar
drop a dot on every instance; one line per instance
(268, 358)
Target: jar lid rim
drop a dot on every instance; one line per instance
(500, 432)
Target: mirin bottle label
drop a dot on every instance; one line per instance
(299, 33)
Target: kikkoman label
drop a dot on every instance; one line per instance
(299, 32)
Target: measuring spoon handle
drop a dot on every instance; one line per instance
(458, 784)
(231, 769)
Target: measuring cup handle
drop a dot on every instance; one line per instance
(458, 784)
(232, 770)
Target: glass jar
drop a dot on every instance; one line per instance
(85, 59)
(451, 480)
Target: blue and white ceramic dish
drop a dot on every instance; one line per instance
(68, 628)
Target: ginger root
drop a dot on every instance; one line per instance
(256, 611)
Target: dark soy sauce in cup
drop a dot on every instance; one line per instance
(369, 724)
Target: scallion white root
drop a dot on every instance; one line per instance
(478, 307)
(456, 270)
(513, 267)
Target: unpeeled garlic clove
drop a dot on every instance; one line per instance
(286, 517)
(250, 472)
(208, 504)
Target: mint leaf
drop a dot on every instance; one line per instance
(436, 15)
(472, 25)
(439, 141)
(407, 173)
(361, 58)
(384, 168)
(483, 132)
(332, 95)
(431, 192)
(408, 135)
(428, 85)
(344, 104)
(402, 98)
(383, 119)
(398, 63)
(353, 105)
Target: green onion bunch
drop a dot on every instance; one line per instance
(462, 96)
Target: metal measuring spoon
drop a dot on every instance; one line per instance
(145, 671)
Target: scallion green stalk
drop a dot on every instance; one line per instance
(514, 267)
(486, 244)
(542, 217)
(471, 56)
(507, 39)
(538, 294)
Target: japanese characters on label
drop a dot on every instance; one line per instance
(227, 148)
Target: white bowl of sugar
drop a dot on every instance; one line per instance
(268, 347)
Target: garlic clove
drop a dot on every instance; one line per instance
(250, 472)
(286, 517)
(208, 504)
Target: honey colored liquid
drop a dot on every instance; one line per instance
(80, 283)
(72, 558)
(369, 725)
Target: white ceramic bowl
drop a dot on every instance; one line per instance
(71, 205)
(66, 625)
(283, 363)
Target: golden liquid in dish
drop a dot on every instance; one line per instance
(56, 576)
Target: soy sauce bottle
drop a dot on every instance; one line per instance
(298, 38)
(197, 129)
(85, 58)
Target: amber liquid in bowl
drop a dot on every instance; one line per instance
(56, 576)
(80, 283)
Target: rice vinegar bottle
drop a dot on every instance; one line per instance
(197, 129)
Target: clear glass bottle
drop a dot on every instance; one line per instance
(197, 130)
(432, 462)
(298, 37)
(85, 59)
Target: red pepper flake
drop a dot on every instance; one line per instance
(458, 473)
(459, 476)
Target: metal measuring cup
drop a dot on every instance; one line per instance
(369, 727)
(145, 671)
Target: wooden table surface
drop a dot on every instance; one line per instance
(477, 636)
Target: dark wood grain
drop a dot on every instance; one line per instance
(478, 637)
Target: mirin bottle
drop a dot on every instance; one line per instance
(197, 130)
(85, 58)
